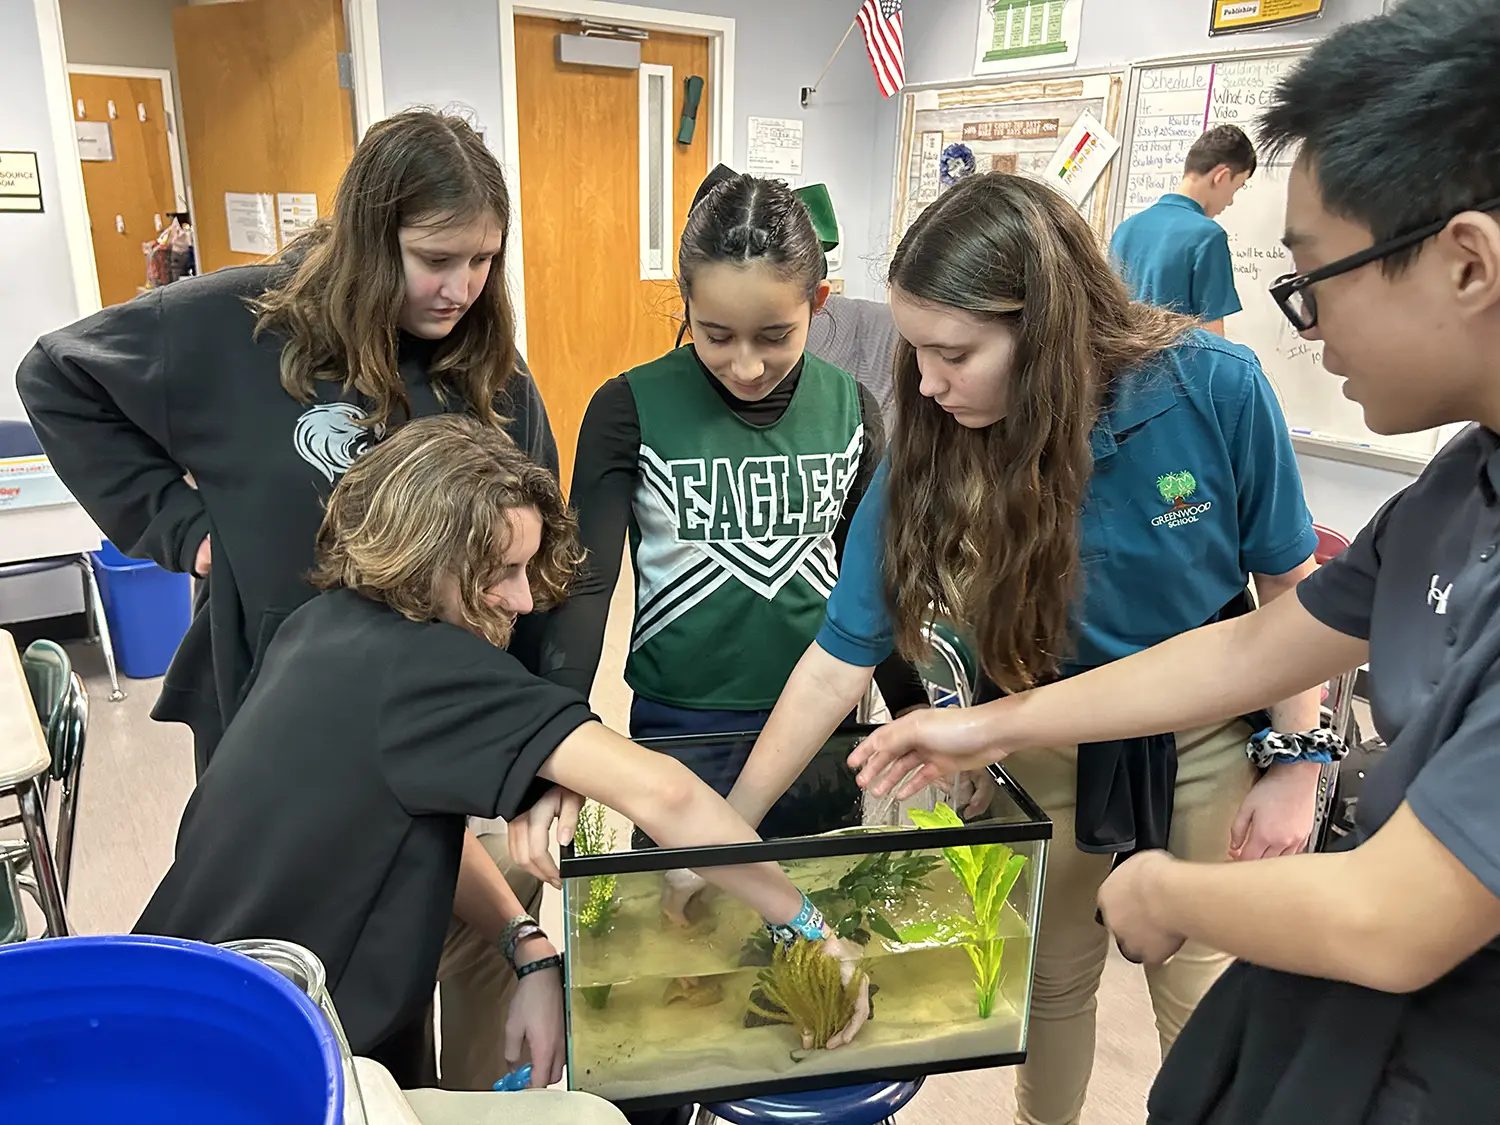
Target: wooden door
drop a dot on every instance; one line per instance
(589, 316)
(263, 110)
(130, 194)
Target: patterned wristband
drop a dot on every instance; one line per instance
(807, 924)
(553, 962)
(517, 930)
(1269, 748)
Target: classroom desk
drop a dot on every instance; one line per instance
(24, 758)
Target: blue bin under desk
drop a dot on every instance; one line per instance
(148, 610)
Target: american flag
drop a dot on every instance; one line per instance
(880, 21)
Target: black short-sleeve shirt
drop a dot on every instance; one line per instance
(332, 814)
(1422, 584)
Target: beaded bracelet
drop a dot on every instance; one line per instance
(553, 962)
(807, 924)
(1270, 748)
(511, 936)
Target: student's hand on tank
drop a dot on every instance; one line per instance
(1276, 817)
(973, 792)
(203, 559)
(529, 834)
(1125, 901)
(678, 889)
(534, 1029)
(929, 745)
(849, 955)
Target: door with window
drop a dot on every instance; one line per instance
(605, 190)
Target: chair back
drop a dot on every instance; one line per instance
(18, 439)
(49, 675)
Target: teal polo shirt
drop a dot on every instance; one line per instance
(1195, 487)
(1174, 256)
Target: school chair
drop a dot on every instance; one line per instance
(1338, 706)
(25, 763)
(62, 707)
(18, 439)
(874, 1103)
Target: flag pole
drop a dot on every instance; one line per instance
(813, 89)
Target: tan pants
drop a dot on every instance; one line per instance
(476, 983)
(1213, 777)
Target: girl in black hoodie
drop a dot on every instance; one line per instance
(204, 424)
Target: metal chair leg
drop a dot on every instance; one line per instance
(49, 893)
(101, 624)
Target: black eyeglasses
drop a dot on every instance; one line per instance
(1293, 293)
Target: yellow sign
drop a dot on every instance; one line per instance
(1253, 15)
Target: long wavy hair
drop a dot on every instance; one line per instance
(983, 524)
(340, 303)
(428, 504)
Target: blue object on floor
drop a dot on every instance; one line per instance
(148, 610)
(138, 1030)
(847, 1105)
(515, 1080)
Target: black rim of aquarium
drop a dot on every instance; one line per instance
(786, 1085)
(850, 842)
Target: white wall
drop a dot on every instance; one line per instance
(36, 278)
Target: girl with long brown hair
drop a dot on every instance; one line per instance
(1073, 478)
(204, 424)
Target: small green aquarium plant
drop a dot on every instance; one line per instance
(804, 988)
(594, 838)
(987, 872)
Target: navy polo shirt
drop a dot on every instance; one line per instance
(1174, 256)
(1195, 487)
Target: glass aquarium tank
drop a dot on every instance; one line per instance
(664, 1012)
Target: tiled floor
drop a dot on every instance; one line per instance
(139, 773)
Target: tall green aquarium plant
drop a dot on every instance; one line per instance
(987, 873)
(594, 838)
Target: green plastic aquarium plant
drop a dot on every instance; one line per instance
(987, 873)
(805, 989)
(593, 838)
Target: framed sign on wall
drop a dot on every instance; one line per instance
(20, 182)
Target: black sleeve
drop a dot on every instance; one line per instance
(900, 685)
(604, 478)
(97, 395)
(530, 426)
(464, 728)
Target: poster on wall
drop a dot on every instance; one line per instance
(1230, 16)
(1059, 128)
(1020, 35)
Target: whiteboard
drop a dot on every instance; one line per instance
(1014, 126)
(1170, 104)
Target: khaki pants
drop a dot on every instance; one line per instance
(1213, 777)
(476, 983)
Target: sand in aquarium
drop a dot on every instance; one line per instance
(637, 1045)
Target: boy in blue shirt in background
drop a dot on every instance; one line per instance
(1173, 254)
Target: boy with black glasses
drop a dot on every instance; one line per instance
(1369, 979)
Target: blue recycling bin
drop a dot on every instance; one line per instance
(148, 610)
(136, 1030)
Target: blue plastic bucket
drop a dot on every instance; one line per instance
(135, 1030)
(148, 610)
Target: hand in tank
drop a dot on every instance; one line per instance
(528, 835)
(849, 955)
(678, 889)
(534, 1028)
(935, 742)
(973, 793)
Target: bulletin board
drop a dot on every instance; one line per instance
(1014, 126)
(1169, 105)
